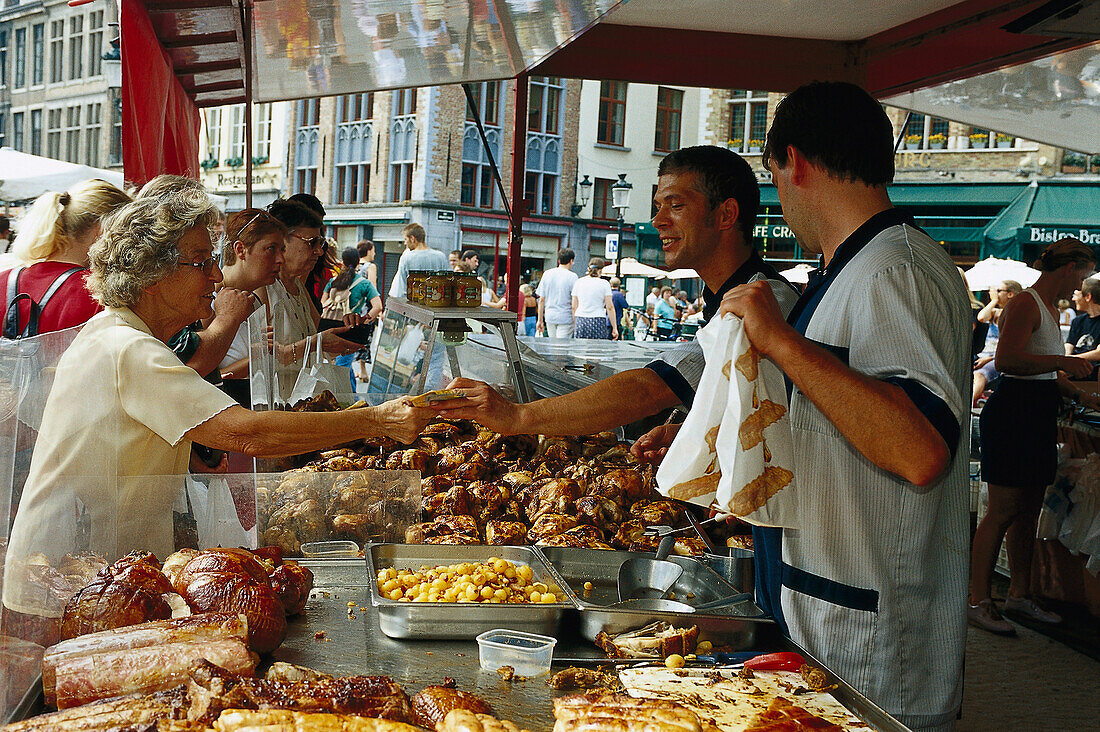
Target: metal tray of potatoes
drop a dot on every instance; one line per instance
(591, 578)
(461, 620)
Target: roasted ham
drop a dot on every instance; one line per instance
(604, 712)
(82, 679)
(431, 706)
(277, 720)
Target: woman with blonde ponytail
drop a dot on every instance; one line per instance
(54, 238)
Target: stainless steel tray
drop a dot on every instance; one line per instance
(735, 626)
(437, 620)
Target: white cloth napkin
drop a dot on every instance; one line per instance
(734, 451)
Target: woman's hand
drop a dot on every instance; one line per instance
(399, 419)
(331, 342)
(353, 319)
(1075, 367)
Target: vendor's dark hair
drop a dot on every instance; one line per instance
(721, 174)
(293, 213)
(565, 256)
(838, 126)
(350, 258)
(1066, 250)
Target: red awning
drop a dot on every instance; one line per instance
(160, 122)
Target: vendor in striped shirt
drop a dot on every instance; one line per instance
(878, 350)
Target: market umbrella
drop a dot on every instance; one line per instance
(798, 274)
(24, 176)
(992, 271)
(681, 274)
(633, 268)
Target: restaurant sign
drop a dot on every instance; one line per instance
(772, 231)
(235, 181)
(1048, 234)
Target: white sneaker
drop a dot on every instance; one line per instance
(984, 615)
(1030, 609)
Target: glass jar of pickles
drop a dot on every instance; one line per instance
(414, 285)
(438, 289)
(467, 290)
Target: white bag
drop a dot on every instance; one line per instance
(317, 374)
(734, 451)
(216, 520)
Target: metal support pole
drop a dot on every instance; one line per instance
(619, 257)
(247, 10)
(519, 202)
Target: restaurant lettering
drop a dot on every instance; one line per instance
(772, 231)
(1045, 235)
(237, 180)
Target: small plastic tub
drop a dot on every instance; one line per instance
(529, 654)
(321, 549)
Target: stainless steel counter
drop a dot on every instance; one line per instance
(355, 645)
(352, 643)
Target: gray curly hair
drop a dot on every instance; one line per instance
(138, 246)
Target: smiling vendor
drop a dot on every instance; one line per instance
(124, 410)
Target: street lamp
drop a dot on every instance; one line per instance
(620, 201)
(584, 190)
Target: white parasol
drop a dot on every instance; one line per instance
(681, 274)
(991, 272)
(631, 267)
(798, 274)
(24, 176)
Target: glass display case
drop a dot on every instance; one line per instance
(420, 348)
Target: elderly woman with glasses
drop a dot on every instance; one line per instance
(124, 409)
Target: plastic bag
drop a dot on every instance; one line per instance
(216, 519)
(734, 451)
(317, 374)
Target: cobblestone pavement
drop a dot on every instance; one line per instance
(1028, 683)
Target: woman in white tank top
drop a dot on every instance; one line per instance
(1019, 430)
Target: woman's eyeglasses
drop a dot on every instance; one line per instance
(208, 266)
(315, 242)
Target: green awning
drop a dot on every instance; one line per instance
(935, 194)
(1041, 214)
(337, 221)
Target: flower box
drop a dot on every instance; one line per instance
(937, 145)
(1004, 144)
(937, 141)
(913, 142)
(979, 144)
(756, 146)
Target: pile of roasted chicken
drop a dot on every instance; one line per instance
(476, 487)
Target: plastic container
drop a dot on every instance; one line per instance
(529, 654)
(319, 549)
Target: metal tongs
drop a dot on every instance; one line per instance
(662, 530)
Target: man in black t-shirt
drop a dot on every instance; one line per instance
(1084, 332)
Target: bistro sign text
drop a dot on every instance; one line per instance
(1047, 234)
